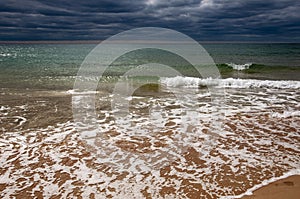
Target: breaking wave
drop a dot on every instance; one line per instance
(239, 66)
(190, 82)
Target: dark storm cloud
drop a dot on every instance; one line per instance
(273, 20)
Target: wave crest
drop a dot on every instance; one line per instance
(239, 66)
(193, 82)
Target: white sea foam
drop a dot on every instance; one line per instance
(5, 54)
(189, 82)
(240, 66)
(256, 119)
(20, 120)
(74, 92)
(4, 108)
(286, 114)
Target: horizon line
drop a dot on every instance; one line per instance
(99, 41)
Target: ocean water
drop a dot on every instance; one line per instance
(173, 137)
(25, 65)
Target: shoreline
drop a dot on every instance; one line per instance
(287, 187)
(266, 188)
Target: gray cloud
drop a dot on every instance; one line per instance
(274, 20)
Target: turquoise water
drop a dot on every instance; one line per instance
(56, 65)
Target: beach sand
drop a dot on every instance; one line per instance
(288, 188)
(43, 156)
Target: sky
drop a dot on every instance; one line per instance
(203, 20)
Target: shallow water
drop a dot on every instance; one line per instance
(180, 155)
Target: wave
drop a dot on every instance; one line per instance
(249, 66)
(193, 82)
(239, 66)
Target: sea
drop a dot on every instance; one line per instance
(164, 136)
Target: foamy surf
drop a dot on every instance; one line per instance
(258, 143)
(193, 82)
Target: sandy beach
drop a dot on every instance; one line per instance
(288, 188)
(43, 156)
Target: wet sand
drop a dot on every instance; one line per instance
(288, 188)
(43, 156)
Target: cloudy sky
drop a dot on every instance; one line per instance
(204, 20)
